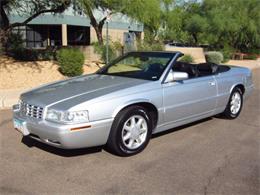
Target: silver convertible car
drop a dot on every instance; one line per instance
(125, 102)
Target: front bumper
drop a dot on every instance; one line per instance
(61, 135)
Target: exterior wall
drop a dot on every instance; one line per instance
(89, 53)
(114, 34)
(118, 25)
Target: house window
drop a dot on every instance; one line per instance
(36, 36)
(137, 34)
(55, 35)
(78, 35)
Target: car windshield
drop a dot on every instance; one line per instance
(140, 65)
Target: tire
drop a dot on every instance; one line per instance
(127, 136)
(234, 105)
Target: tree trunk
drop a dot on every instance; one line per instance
(4, 25)
(4, 17)
(4, 34)
(99, 34)
(98, 26)
(195, 39)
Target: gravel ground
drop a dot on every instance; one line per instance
(25, 75)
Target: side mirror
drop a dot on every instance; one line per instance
(176, 76)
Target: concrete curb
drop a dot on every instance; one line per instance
(11, 96)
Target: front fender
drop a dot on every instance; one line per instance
(128, 103)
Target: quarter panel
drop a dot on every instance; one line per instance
(226, 82)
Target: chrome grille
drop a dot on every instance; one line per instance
(31, 110)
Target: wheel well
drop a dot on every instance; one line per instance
(241, 87)
(151, 109)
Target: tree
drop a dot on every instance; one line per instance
(140, 10)
(223, 24)
(183, 22)
(234, 23)
(173, 25)
(28, 8)
(195, 26)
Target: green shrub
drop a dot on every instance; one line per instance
(252, 51)
(250, 57)
(46, 54)
(146, 46)
(227, 53)
(214, 57)
(14, 42)
(26, 54)
(114, 50)
(187, 58)
(17, 49)
(70, 61)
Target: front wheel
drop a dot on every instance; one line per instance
(235, 104)
(130, 132)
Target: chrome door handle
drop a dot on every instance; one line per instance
(212, 83)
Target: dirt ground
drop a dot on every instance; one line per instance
(245, 63)
(24, 75)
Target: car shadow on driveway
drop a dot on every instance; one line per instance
(181, 127)
(29, 142)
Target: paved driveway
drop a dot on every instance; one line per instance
(213, 156)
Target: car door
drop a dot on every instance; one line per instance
(191, 98)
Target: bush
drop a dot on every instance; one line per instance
(70, 61)
(252, 51)
(25, 54)
(16, 49)
(46, 54)
(214, 57)
(250, 57)
(146, 46)
(14, 42)
(187, 58)
(227, 53)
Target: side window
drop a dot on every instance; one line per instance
(190, 69)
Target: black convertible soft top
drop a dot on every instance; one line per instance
(197, 70)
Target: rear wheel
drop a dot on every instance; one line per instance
(130, 132)
(235, 104)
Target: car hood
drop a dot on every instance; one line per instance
(91, 86)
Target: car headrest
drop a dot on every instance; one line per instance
(185, 67)
(155, 67)
(209, 67)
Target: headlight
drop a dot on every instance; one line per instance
(76, 117)
(53, 115)
(17, 106)
(68, 117)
